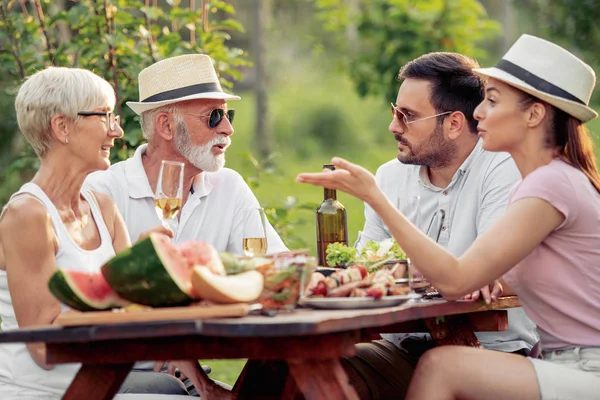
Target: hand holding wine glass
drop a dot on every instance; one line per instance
(254, 232)
(169, 191)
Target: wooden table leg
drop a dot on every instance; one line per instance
(97, 382)
(453, 330)
(263, 380)
(270, 379)
(322, 379)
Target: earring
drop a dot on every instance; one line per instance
(66, 140)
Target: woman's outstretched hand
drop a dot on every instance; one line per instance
(350, 178)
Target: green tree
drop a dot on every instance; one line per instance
(114, 38)
(572, 24)
(379, 36)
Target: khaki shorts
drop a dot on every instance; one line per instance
(569, 374)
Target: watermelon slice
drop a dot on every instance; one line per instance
(84, 291)
(241, 288)
(153, 272)
(198, 253)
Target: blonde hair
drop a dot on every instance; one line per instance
(54, 91)
(147, 119)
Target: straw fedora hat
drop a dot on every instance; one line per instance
(548, 72)
(176, 79)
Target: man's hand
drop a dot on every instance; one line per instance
(179, 369)
(157, 229)
(489, 293)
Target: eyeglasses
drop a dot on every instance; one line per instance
(405, 120)
(112, 120)
(216, 117)
(436, 225)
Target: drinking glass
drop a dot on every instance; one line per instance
(410, 206)
(169, 191)
(254, 232)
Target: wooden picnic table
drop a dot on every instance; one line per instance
(297, 353)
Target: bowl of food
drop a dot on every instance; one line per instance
(284, 279)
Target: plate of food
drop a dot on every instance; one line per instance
(355, 287)
(357, 302)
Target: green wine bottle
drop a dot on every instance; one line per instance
(332, 222)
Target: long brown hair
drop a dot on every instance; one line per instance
(572, 139)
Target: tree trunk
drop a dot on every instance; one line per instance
(508, 24)
(262, 134)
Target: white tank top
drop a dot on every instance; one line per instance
(20, 376)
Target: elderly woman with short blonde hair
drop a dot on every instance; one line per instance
(67, 115)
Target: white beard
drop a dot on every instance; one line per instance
(200, 156)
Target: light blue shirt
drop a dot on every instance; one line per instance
(475, 198)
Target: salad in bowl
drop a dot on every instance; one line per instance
(342, 256)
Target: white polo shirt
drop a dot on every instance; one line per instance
(212, 213)
(475, 198)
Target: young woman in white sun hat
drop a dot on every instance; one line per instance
(546, 247)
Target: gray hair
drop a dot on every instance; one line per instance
(147, 119)
(55, 91)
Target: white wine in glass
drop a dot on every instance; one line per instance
(167, 207)
(254, 234)
(255, 246)
(169, 191)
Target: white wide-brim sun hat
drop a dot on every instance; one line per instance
(176, 79)
(548, 72)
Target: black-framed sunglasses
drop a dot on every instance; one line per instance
(112, 120)
(216, 116)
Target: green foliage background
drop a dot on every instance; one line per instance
(115, 39)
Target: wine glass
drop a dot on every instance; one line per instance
(169, 191)
(254, 232)
(410, 206)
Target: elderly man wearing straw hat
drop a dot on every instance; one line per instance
(184, 117)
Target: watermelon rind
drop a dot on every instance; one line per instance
(66, 292)
(138, 274)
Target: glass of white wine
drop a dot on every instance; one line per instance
(254, 232)
(169, 191)
(410, 206)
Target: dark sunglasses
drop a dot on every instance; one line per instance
(216, 116)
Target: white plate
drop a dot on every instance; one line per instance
(356, 302)
(406, 280)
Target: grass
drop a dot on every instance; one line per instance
(226, 371)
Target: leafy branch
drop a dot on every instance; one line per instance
(109, 11)
(10, 30)
(40, 16)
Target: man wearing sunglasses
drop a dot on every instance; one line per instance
(463, 189)
(184, 117)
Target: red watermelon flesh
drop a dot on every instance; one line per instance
(84, 291)
(178, 263)
(197, 253)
